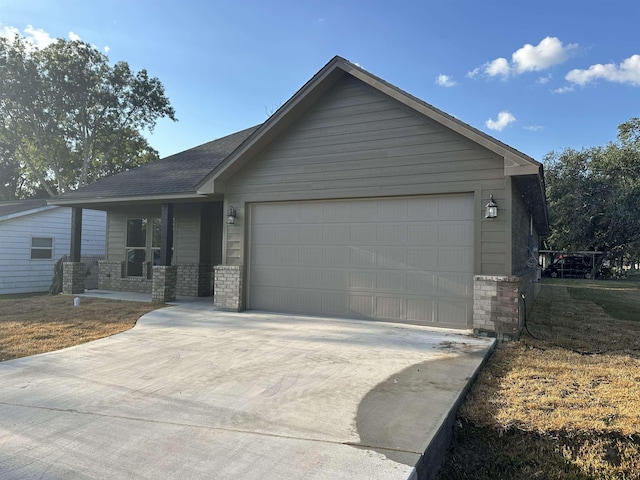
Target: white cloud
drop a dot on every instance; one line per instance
(504, 120)
(545, 79)
(445, 81)
(474, 73)
(561, 90)
(627, 72)
(549, 52)
(534, 128)
(106, 49)
(499, 66)
(8, 32)
(37, 37)
(74, 37)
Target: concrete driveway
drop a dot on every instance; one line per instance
(190, 393)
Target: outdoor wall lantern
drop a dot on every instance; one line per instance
(231, 215)
(492, 209)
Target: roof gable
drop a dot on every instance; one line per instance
(515, 162)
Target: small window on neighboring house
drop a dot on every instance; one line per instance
(41, 248)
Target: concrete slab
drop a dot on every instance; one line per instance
(193, 393)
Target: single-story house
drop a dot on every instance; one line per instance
(34, 236)
(354, 199)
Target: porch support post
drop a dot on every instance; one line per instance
(166, 237)
(165, 276)
(74, 271)
(76, 235)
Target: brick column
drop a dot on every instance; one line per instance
(163, 288)
(496, 307)
(227, 290)
(73, 276)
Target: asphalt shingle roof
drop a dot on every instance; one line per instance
(179, 173)
(14, 207)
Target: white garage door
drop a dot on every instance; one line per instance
(406, 259)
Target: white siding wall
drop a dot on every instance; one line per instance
(18, 272)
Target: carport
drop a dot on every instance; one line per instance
(191, 393)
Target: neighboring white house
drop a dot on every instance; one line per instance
(34, 236)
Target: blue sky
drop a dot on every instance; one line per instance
(538, 75)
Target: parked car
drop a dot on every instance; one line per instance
(569, 266)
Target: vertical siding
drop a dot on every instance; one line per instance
(356, 142)
(18, 272)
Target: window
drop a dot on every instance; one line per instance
(41, 248)
(143, 245)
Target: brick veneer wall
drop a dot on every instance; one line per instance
(193, 280)
(73, 277)
(496, 306)
(164, 283)
(228, 288)
(111, 277)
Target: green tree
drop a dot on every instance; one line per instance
(71, 117)
(594, 195)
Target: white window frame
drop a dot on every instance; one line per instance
(41, 248)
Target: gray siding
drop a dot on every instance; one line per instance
(186, 243)
(186, 235)
(117, 227)
(356, 142)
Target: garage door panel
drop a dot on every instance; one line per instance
(336, 234)
(335, 256)
(391, 257)
(391, 282)
(455, 234)
(364, 257)
(422, 283)
(454, 207)
(454, 285)
(423, 258)
(363, 211)
(392, 234)
(423, 234)
(362, 280)
(335, 303)
(310, 277)
(421, 310)
(391, 308)
(362, 306)
(450, 311)
(399, 259)
(392, 211)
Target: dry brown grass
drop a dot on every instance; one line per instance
(565, 404)
(43, 323)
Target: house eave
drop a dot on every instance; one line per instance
(26, 212)
(104, 202)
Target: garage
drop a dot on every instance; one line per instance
(400, 259)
